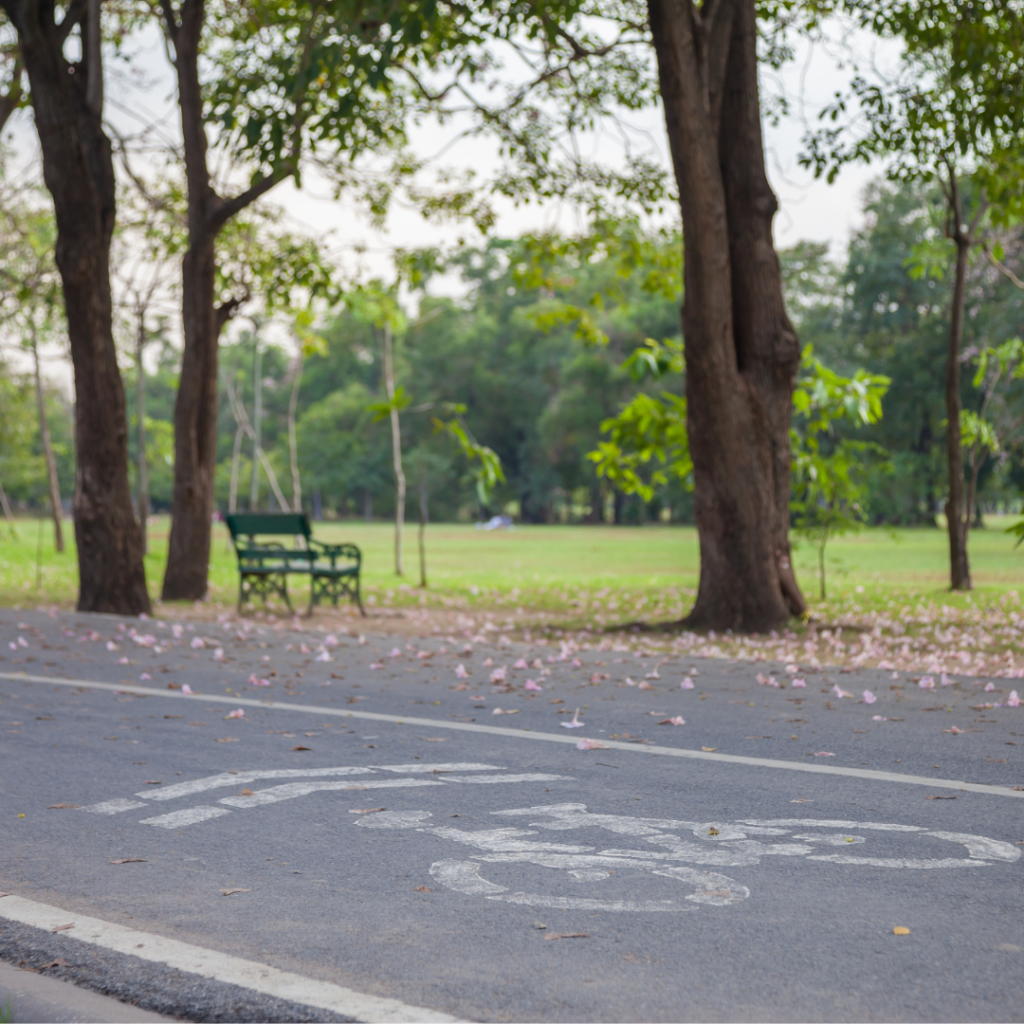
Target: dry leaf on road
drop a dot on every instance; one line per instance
(423, 888)
(367, 810)
(62, 807)
(227, 739)
(62, 927)
(231, 892)
(129, 860)
(302, 748)
(551, 936)
(932, 796)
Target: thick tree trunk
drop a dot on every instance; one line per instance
(741, 351)
(79, 174)
(51, 462)
(195, 409)
(956, 507)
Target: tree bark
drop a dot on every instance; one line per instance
(396, 450)
(195, 408)
(79, 174)
(956, 507)
(140, 418)
(51, 462)
(741, 351)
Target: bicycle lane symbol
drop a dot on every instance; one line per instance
(714, 845)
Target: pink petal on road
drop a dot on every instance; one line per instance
(686, 684)
(237, 713)
(799, 684)
(840, 692)
(575, 723)
(1013, 701)
(186, 688)
(989, 687)
(460, 672)
(879, 718)
(498, 711)
(532, 685)
(824, 753)
(954, 730)
(585, 744)
(145, 676)
(926, 683)
(869, 697)
(520, 663)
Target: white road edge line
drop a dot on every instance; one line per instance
(526, 734)
(221, 967)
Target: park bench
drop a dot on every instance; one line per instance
(264, 565)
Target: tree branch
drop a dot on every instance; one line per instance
(75, 13)
(1002, 267)
(227, 208)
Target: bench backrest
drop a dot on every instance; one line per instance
(268, 524)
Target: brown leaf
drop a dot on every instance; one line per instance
(367, 810)
(62, 807)
(227, 739)
(152, 782)
(129, 860)
(173, 686)
(552, 936)
(231, 892)
(423, 888)
(302, 748)
(62, 927)
(174, 716)
(59, 962)
(932, 796)
(435, 739)
(246, 792)
(709, 749)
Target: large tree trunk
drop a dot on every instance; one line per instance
(741, 351)
(956, 508)
(51, 462)
(79, 174)
(195, 409)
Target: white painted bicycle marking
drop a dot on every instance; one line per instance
(725, 844)
(246, 800)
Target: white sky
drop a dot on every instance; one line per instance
(809, 209)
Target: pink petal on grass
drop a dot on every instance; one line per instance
(585, 744)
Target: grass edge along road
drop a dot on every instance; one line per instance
(889, 604)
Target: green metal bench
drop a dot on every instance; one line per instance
(265, 565)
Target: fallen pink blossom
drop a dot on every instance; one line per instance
(186, 688)
(824, 753)
(575, 723)
(395, 653)
(879, 718)
(237, 713)
(946, 681)
(630, 682)
(520, 663)
(678, 720)
(989, 687)
(1013, 701)
(498, 675)
(926, 683)
(686, 684)
(954, 730)
(376, 664)
(498, 711)
(792, 669)
(460, 672)
(585, 744)
(799, 684)
(644, 685)
(576, 663)
(869, 697)
(532, 684)
(840, 692)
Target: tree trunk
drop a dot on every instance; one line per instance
(257, 419)
(293, 446)
(140, 417)
(195, 409)
(396, 450)
(51, 462)
(79, 174)
(424, 511)
(741, 351)
(956, 508)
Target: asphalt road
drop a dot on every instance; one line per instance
(750, 864)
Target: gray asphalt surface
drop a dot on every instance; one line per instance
(700, 890)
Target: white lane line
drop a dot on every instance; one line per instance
(209, 963)
(545, 737)
(188, 816)
(291, 790)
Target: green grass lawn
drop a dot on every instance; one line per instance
(576, 574)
